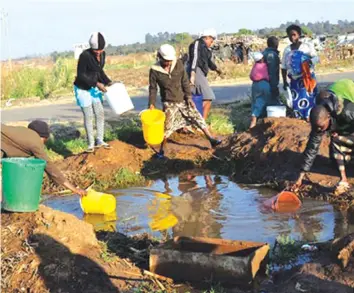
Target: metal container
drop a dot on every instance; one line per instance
(200, 259)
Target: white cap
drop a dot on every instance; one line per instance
(257, 56)
(167, 52)
(209, 33)
(97, 41)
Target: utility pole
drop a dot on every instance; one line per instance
(4, 17)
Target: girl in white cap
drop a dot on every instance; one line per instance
(261, 94)
(89, 84)
(170, 75)
(200, 63)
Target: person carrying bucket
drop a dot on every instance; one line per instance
(200, 62)
(170, 75)
(22, 142)
(89, 84)
(333, 114)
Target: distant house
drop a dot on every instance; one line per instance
(79, 48)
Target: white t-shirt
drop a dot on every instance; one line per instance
(307, 48)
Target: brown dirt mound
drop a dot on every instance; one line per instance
(272, 152)
(183, 152)
(123, 155)
(104, 162)
(321, 275)
(51, 251)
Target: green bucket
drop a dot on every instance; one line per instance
(22, 180)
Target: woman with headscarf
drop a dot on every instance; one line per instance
(298, 64)
(169, 75)
(90, 83)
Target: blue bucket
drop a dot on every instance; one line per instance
(198, 101)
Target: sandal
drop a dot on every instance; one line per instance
(342, 187)
(215, 142)
(159, 156)
(90, 150)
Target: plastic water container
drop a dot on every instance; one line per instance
(98, 203)
(118, 98)
(276, 111)
(285, 201)
(153, 122)
(198, 101)
(22, 183)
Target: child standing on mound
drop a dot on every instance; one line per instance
(261, 93)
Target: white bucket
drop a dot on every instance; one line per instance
(118, 98)
(276, 111)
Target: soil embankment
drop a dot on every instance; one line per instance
(272, 153)
(51, 251)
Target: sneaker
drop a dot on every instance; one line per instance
(215, 142)
(103, 145)
(90, 150)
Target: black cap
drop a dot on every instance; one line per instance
(40, 127)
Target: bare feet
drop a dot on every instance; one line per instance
(253, 122)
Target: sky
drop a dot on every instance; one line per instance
(43, 26)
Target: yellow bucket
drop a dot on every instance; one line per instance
(98, 203)
(161, 217)
(153, 122)
(105, 222)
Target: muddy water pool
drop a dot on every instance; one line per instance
(210, 206)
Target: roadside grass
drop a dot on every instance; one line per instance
(41, 81)
(230, 118)
(240, 115)
(67, 139)
(220, 123)
(121, 178)
(46, 79)
(65, 148)
(125, 129)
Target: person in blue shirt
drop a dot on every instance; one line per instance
(272, 59)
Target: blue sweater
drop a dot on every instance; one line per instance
(271, 57)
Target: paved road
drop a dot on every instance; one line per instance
(70, 112)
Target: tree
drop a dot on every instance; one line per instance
(183, 39)
(149, 39)
(306, 31)
(244, 31)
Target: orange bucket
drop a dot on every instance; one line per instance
(284, 202)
